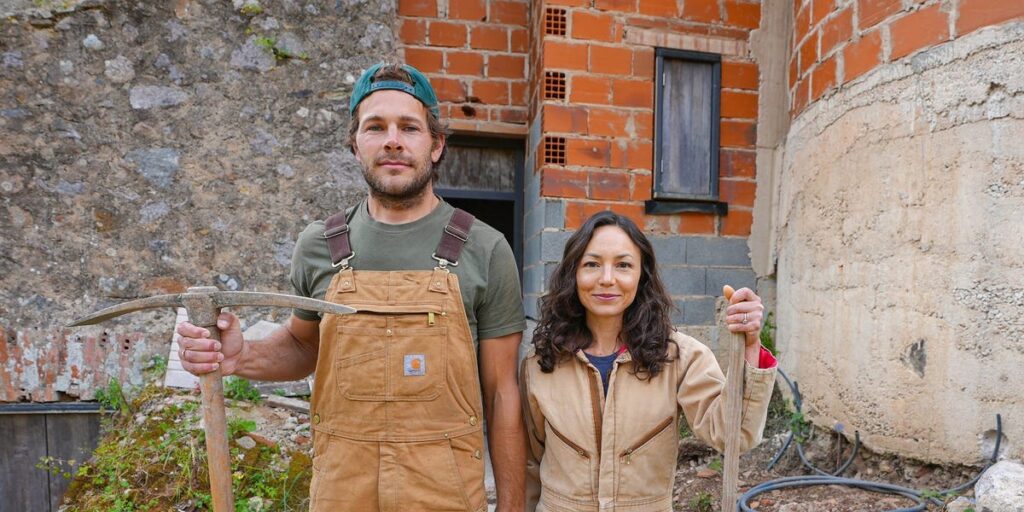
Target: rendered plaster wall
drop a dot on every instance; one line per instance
(150, 146)
(900, 270)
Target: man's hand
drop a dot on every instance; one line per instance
(199, 354)
(287, 353)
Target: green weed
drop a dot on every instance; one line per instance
(240, 426)
(932, 494)
(240, 389)
(270, 44)
(57, 467)
(768, 334)
(800, 426)
(251, 10)
(703, 502)
(684, 429)
(112, 397)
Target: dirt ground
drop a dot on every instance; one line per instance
(699, 478)
(283, 437)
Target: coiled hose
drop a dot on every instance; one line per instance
(833, 478)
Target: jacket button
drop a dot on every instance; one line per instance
(316, 418)
(472, 420)
(476, 455)
(388, 332)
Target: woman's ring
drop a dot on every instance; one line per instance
(744, 321)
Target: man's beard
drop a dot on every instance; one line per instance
(403, 196)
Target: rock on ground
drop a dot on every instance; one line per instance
(1001, 487)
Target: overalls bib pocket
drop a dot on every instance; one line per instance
(401, 357)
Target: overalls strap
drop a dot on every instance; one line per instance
(336, 233)
(455, 235)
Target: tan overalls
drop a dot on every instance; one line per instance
(397, 411)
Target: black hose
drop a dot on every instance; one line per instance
(823, 478)
(842, 468)
(812, 480)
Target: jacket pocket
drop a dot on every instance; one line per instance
(566, 467)
(571, 445)
(393, 353)
(644, 440)
(647, 466)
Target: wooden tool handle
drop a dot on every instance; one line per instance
(216, 427)
(733, 415)
(203, 312)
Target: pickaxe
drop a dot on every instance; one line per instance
(204, 304)
(733, 416)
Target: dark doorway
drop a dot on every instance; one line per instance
(484, 176)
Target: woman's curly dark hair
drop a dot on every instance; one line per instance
(646, 326)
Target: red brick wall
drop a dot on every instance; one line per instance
(836, 42)
(475, 53)
(607, 116)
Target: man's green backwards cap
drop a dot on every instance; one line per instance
(420, 89)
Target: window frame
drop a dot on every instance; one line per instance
(664, 202)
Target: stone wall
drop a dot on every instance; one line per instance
(150, 146)
(900, 274)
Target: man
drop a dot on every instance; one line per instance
(396, 406)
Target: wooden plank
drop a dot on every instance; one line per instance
(292, 404)
(476, 168)
(69, 437)
(686, 125)
(22, 485)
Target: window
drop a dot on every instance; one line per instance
(686, 125)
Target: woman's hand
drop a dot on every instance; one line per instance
(744, 314)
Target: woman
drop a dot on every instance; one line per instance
(608, 376)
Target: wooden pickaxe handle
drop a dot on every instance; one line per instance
(733, 416)
(214, 421)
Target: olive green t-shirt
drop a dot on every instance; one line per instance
(488, 276)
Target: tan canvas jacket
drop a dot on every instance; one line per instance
(590, 453)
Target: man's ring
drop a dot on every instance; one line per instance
(744, 319)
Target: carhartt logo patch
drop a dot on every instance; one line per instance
(415, 364)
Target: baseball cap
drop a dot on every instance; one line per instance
(419, 89)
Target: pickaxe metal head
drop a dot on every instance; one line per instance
(200, 299)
